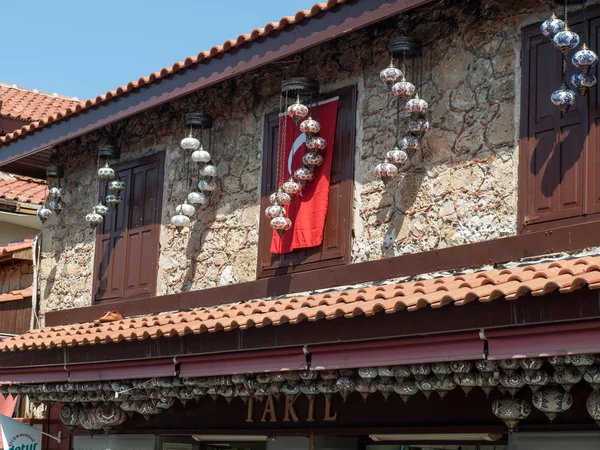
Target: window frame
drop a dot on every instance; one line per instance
(158, 157)
(269, 156)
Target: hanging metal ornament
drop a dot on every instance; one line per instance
(196, 123)
(44, 213)
(564, 98)
(584, 59)
(511, 411)
(391, 74)
(300, 91)
(552, 401)
(552, 26)
(116, 186)
(386, 171)
(583, 82)
(94, 219)
(113, 200)
(566, 40)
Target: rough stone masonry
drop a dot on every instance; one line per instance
(459, 189)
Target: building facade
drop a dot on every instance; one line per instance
(493, 212)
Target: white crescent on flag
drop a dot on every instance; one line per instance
(297, 144)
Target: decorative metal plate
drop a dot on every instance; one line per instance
(199, 120)
(109, 151)
(405, 47)
(299, 86)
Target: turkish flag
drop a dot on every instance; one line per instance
(308, 210)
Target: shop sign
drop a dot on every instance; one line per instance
(268, 411)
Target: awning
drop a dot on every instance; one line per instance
(464, 346)
(246, 362)
(34, 375)
(544, 340)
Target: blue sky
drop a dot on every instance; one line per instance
(86, 47)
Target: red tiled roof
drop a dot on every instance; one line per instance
(22, 189)
(28, 104)
(484, 286)
(19, 294)
(16, 246)
(191, 61)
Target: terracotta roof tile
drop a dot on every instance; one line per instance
(31, 104)
(16, 246)
(190, 61)
(22, 189)
(564, 275)
(19, 294)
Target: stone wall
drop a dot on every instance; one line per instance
(459, 189)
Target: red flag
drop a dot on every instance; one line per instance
(308, 210)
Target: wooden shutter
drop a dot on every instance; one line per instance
(335, 249)
(127, 241)
(593, 160)
(552, 163)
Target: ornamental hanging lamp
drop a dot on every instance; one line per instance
(196, 123)
(108, 153)
(297, 97)
(405, 52)
(566, 40)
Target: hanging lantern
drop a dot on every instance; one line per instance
(511, 411)
(116, 186)
(280, 224)
(397, 156)
(44, 214)
(208, 185)
(56, 192)
(386, 171)
(274, 211)
(201, 156)
(410, 143)
(566, 40)
(190, 143)
(101, 209)
(552, 401)
(52, 174)
(564, 98)
(185, 209)
(297, 111)
(279, 198)
(106, 173)
(404, 89)
(180, 221)
(310, 126)
(418, 126)
(208, 170)
(584, 59)
(291, 187)
(593, 406)
(312, 158)
(316, 143)
(552, 26)
(94, 219)
(417, 106)
(57, 206)
(390, 74)
(113, 200)
(196, 198)
(583, 82)
(304, 174)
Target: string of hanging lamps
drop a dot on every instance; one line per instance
(54, 192)
(404, 52)
(108, 154)
(296, 99)
(566, 40)
(197, 123)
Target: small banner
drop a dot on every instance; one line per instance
(18, 436)
(308, 210)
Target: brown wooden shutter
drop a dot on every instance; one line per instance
(127, 241)
(552, 163)
(593, 160)
(335, 249)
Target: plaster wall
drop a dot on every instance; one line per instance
(461, 188)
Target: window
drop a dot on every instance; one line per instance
(559, 162)
(335, 249)
(127, 241)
